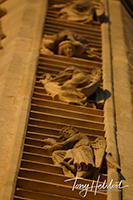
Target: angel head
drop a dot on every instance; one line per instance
(66, 48)
(67, 132)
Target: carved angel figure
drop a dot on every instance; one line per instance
(68, 43)
(83, 11)
(73, 85)
(77, 155)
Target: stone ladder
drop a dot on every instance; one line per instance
(38, 178)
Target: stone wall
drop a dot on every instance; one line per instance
(128, 32)
(121, 45)
(23, 26)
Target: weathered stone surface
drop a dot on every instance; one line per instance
(17, 99)
(68, 43)
(75, 86)
(23, 25)
(121, 31)
(128, 30)
(81, 11)
(75, 153)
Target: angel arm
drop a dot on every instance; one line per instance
(49, 141)
(70, 142)
(58, 6)
(46, 51)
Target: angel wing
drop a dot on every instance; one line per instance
(95, 78)
(99, 146)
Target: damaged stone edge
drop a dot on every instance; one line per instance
(109, 108)
(9, 184)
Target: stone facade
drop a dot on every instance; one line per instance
(18, 62)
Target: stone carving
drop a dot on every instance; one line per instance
(77, 155)
(68, 43)
(83, 11)
(73, 85)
